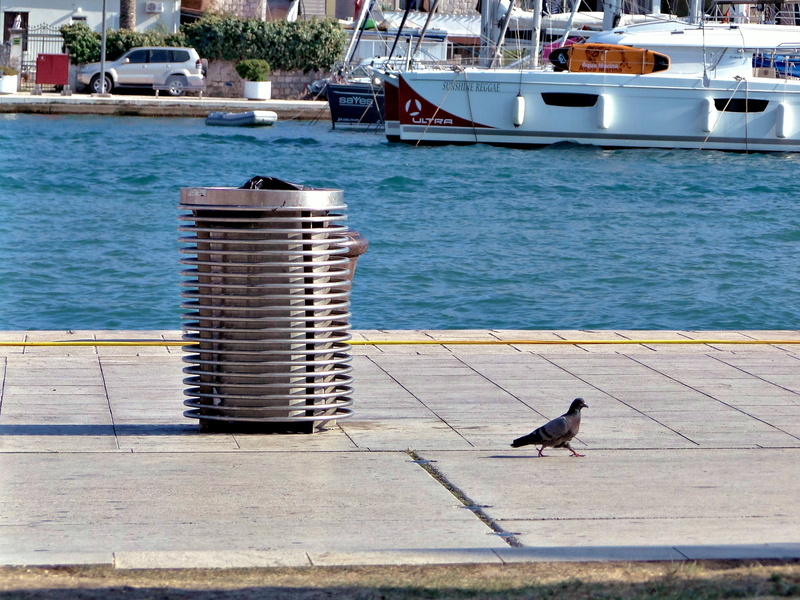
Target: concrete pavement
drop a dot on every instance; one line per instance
(692, 451)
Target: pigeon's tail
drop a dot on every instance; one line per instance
(526, 440)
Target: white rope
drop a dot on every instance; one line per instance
(436, 112)
(739, 81)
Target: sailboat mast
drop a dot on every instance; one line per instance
(568, 27)
(425, 27)
(536, 33)
(399, 31)
(366, 5)
(612, 12)
(498, 48)
(695, 12)
(489, 31)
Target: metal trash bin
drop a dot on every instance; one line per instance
(267, 297)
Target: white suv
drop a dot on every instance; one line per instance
(172, 69)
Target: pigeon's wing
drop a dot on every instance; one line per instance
(554, 430)
(550, 434)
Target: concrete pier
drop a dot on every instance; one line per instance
(162, 106)
(692, 451)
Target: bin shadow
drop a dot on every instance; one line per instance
(57, 429)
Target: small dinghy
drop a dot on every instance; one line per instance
(251, 118)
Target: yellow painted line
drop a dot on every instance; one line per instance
(569, 342)
(97, 343)
(413, 342)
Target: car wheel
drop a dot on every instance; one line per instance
(95, 85)
(176, 85)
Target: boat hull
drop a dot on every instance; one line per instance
(353, 104)
(608, 110)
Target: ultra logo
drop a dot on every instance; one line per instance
(413, 108)
(416, 105)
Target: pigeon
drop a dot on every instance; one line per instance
(558, 432)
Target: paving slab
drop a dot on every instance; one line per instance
(633, 498)
(691, 453)
(266, 501)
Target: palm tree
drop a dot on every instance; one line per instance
(127, 14)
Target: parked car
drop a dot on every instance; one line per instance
(174, 70)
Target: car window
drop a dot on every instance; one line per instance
(180, 56)
(159, 56)
(138, 57)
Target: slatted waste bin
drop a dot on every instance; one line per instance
(266, 294)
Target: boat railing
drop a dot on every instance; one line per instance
(768, 12)
(780, 62)
(786, 17)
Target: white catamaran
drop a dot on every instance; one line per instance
(717, 86)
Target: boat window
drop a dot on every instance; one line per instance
(740, 105)
(566, 99)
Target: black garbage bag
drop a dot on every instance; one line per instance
(272, 183)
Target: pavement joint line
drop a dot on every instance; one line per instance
(4, 366)
(579, 378)
(728, 405)
(477, 509)
(108, 402)
(500, 387)
(423, 403)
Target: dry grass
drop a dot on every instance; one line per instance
(565, 581)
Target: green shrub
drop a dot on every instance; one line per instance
(10, 71)
(302, 45)
(84, 45)
(253, 69)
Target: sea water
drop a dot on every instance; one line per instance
(564, 237)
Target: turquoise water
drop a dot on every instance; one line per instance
(460, 237)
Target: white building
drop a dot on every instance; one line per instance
(163, 15)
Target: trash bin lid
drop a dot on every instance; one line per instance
(229, 197)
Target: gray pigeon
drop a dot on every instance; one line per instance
(558, 432)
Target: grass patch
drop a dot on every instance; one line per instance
(534, 581)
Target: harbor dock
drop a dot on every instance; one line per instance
(691, 443)
(158, 106)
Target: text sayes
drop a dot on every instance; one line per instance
(355, 100)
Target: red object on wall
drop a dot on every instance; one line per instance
(52, 69)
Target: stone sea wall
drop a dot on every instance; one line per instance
(247, 9)
(257, 9)
(222, 81)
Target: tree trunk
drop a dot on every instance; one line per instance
(127, 14)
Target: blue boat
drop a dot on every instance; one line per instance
(355, 103)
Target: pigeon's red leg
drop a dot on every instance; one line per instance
(576, 454)
(540, 452)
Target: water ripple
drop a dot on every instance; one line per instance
(460, 237)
